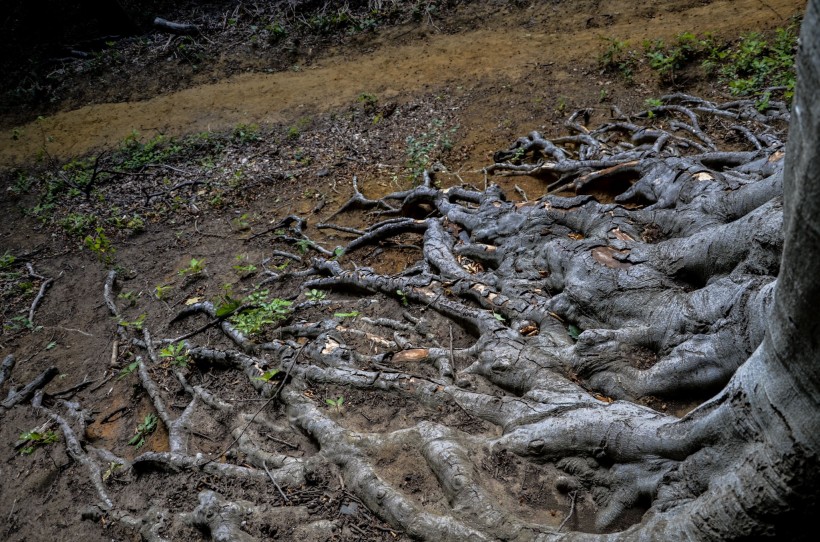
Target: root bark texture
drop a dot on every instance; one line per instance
(589, 322)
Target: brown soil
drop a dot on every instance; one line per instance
(502, 72)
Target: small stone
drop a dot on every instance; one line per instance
(349, 509)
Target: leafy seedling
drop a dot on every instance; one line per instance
(176, 354)
(130, 297)
(34, 439)
(303, 245)
(315, 295)
(194, 268)
(266, 312)
(161, 291)
(268, 375)
(336, 404)
(403, 297)
(136, 324)
(243, 270)
(143, 430)
(351, 314)
(112, 468)
(128, 369)
(574, 331)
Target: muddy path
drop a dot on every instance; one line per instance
(506, 48)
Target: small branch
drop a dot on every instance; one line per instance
(571, 510)
(16, 397)
(272, 479)
(43, 287)
(183, 29)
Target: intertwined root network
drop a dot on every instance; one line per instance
(525, 347)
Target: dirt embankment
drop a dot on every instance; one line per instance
(560, 40)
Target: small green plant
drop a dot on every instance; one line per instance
(100, 245)
(246, 269)
(35, 439)
(422, 150)
(755, 63)
(499, 317)
(128, 369)
(276, 32)
(134, 223)
(18, 323)
(561, 106)
(133, 154)
(265, 312)
(315, 295)
(130, 297)
(246, 133)
(113, 467)
(7, 260)
(351, 314)
(135, 324)
(241, 223)
(268, 375)
(402, 297)
(574, 331)
(143, 430)
(196, 267)
(176, 354)
(617, 58)
(78, 223)
(161, 291)
(336, 404)
(21, 185)
(303, 245)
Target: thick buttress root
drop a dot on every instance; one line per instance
(644, 275)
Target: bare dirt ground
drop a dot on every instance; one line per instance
(265, 146)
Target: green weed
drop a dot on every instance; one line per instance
(315, 295)
(78, 223)
(128, 369)
(196, 267)
(161, 290)
(266, 312)
(143, 430)
(268, 375)
(35, 439)
(618, 59)
(246, 133)
(422, 150)
(7, 260)
(176, 354)
(336, 404)
(100, 245)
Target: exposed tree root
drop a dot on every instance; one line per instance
(654, 278)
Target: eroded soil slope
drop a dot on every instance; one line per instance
(267, 146)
